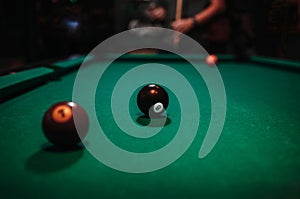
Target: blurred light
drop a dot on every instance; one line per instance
(73, 1)
(72, 25)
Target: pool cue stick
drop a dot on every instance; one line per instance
(177, 17)
(178, 9)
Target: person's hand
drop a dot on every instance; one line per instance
(183, 25)
(158, 13)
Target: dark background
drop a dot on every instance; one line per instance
(35, 30)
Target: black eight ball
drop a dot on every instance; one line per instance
(153, 100)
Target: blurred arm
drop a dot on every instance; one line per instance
(216, 7)
(184, 25)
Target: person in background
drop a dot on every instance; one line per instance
(197, 15)
(149, 14)
(203, 20)
(242, 23)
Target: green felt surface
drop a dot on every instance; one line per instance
(257, 155)
(14, 84)
(17, 78)
(71, 62)
(277, 62)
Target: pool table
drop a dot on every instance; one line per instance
(256, 156)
